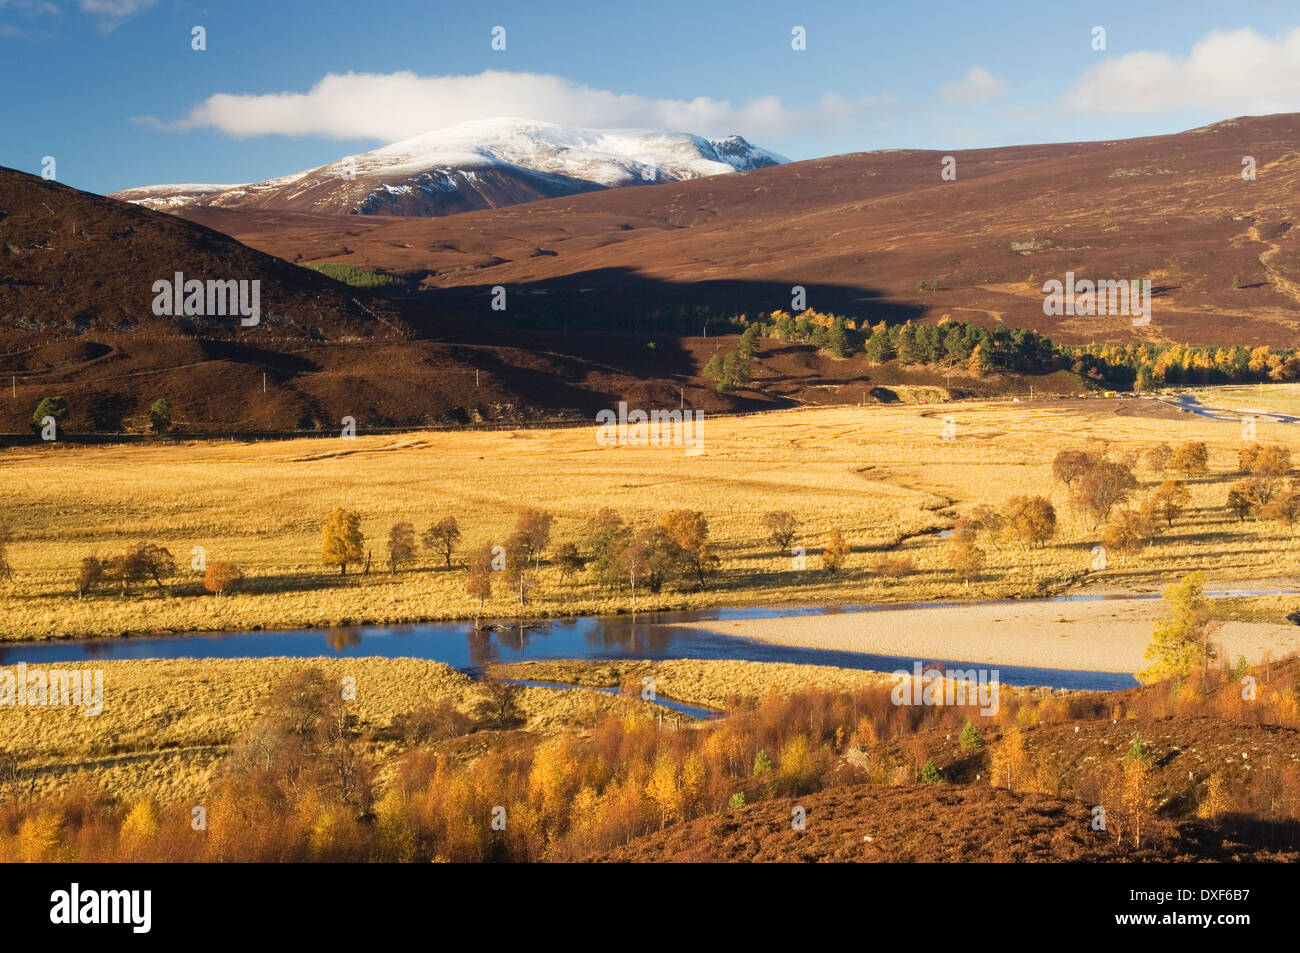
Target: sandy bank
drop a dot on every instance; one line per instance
(1102, 636)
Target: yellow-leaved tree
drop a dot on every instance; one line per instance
(1010, 767)
(139, 831)
(1182, 642)
(664, 788)
(1135, 786)
(341, 540)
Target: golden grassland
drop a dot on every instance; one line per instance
(884, 475)
(166, 723)
(712, 683)
(1271, 398)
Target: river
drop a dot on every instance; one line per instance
(458, 644)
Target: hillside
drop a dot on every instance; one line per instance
(921, 824)
(860, 231)
(77, 320)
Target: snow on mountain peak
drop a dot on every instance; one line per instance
(609, 157)
(485, 163)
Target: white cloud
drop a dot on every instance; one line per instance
(976, 86)
(31, 8)
(27, 8)
(393, 106)
(109, 13)
(114, 8)
(1231, 72)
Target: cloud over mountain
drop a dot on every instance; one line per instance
(399, 105)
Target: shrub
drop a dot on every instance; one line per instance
(836, 551)
(140, 563)
(964, 556)
(781, 528)
(89, 574)
(222, 578)
(891, 568)
(1191, 458)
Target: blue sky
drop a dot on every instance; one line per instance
(113, 90)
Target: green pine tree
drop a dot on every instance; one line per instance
(1139, 753)
(160, 415)
(970, 738)
(55, 407)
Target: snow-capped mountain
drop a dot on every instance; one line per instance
(482, 164)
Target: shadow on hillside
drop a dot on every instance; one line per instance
(623, 300)
(635, 325)
(1217, 840)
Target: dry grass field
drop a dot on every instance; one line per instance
(1271, 398)
(712, 683)
(166, 724)
(884, 475)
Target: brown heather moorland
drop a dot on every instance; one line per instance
(859, 231)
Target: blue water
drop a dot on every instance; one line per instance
(646, 636)
(1192, 404)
